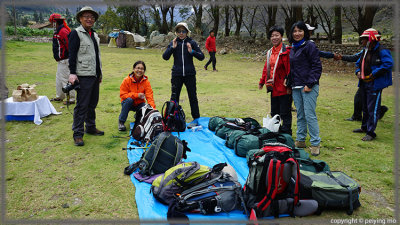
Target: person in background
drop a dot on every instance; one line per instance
(305, 72)
(374, 71)
(211, 48)
(322, 54)
(274, 75)
(135, 89)
(183, 48)
(85, 70)
(358, 97)
(60, 54)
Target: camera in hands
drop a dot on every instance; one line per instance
(69, 87)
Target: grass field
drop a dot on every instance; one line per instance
(49, 178)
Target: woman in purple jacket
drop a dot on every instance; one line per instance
(305, 71)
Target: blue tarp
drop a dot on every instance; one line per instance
(207, 149)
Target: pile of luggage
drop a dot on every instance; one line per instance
(282, 179)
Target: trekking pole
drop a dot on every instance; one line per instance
(131, 148)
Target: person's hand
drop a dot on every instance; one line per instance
(189, 46)
(174, 43)
(285, 82)
(260, 86)
(358, 75)
(307, 89)
(141, 95)
(337, 56)
(72, 78)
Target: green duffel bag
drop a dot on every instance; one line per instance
(332, 190)
(313, 165)
(300, 153)
(245, 124)
(243, 143)
(231, 136)
(217, 120)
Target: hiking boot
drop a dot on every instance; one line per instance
(367, 138)
(79, 141)
(96, 132)
(359, 130)
(300, 144)
(121, 126)
(192, 124)
(384, 109)
(314, 150)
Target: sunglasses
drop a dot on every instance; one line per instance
(182, 31)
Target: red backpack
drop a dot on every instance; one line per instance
(273, 175)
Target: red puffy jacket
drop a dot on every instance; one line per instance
(210, 44)
(282, 70)
(60, 43)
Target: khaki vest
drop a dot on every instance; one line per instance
(86, 58)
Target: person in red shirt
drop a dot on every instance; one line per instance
(135, 89)
(275, 72)
(60, 54)
(210, 46)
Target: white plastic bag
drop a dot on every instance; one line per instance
(273, 123)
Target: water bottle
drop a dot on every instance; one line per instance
(197, 128)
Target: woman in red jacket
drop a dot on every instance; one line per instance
(210, 46)
(274, 75)
(134, 91)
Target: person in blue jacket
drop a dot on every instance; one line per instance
(305, 72)
(374, 71)
(183, 48)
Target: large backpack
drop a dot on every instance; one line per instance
(165, 152)
(173, 117)
(148, 124)
(179, 178)
(330, 189)
(273, 175)
(256, 140)
(220, 194)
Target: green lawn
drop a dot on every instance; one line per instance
(49, 178)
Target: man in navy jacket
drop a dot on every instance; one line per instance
(374, 70)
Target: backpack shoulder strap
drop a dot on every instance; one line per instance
(160, 140)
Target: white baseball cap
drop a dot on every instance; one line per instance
(309, 27)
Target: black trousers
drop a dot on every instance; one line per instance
(371, 108)
(190, 83)
(282, 105)
(212, 59)
(358, 105)
(86, 102)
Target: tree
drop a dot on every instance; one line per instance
(267, 17)
(292, 15)
(184, 12)
(127, 16)
(248, 22)
(215, 17)
(238, 12)
(156, 17)
(109, 20)
(68, 17)
(198, 14)
(338, 24)
(171, 14)
(35, 17)
(41, 19)
(360, 17)
(228, 20)
(164, 11)
(326, 20)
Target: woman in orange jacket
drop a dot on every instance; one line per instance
(134, 91)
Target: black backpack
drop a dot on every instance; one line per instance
(165, 152)
(173, 117)
(273, 175)
(148, 124)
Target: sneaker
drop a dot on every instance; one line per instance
(79, 141)
(121, 126)
(314, 150)
(192, 124)
(384, 109)
(96, 132)
(359, 130)
(367, 138)
(300, 144)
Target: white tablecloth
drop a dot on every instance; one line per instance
(40, 108)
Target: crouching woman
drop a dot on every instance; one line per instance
(135, 89)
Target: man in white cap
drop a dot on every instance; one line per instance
(85, 71)
(183, 48)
